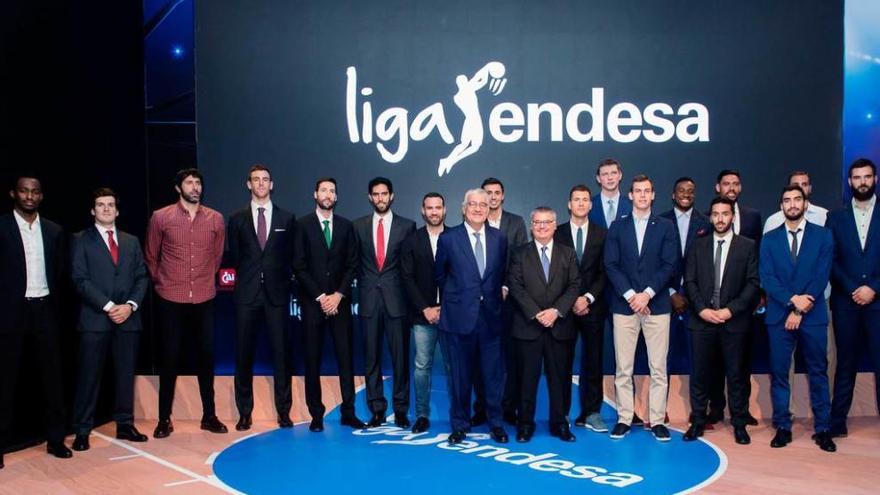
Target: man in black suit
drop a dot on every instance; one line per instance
(32, 261)
(110, 275)
(325, 262)
(514, 227)
(544, 284)
(260, 249)
(588, 241)
(417, 266)
(722, 284)
(382, 305)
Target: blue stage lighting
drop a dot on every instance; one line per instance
(177, 51)
(870, 116)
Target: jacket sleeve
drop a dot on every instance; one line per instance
(90, 293)
(408, 269)
(565, 301)
(748, 296)
(301, 265)
(772, 285)
(692, 284)
(669, 260)
(352, 251)
(517, 287)
(618, 278)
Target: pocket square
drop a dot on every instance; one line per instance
(280, 230)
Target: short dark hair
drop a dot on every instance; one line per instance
(640, 178)
(324, 179)
(491, 181)
(723, 200)
(28, 175)
(727, 171)
(796, 172)
(434, 195)
(683, 179)
(104, 191)
(861, 163)
(188, 172)
(380, 180)
(257, 167)
(606, 162)
(581, 188)
(789, 188)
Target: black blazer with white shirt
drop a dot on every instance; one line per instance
(417, 267)
(591, 266)
(270, 267)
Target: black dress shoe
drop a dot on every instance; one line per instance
(213, 425)
(693, 432)
(581, 420)
(130, 433)
(498, 434)
(524, 433)
(824, 441)
(422, 425)
(781, 439)
(751, 421)
(378, 419)
(353, 422)
(81, 443)
(456, 436)
(401, 421)
(317, 425)
(164, 428)
(244, 423)
(60, 450)
(479, 419)
(741, 435)
(563, 432)
(510, 417)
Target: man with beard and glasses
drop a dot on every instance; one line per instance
(183, 252)
(795, 264)
(33, 257)
(325, 261)
(382, 306)
(721, 277)
(260, 250)
(855, 281)
(417, 267)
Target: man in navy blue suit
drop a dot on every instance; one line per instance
(470, 270)
(608, 203)
(795, 263)
(855, 281)
(641, 255)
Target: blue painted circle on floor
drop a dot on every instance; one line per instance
(342, 460)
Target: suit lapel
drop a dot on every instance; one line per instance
(872, 228)
(465, 244)
(276, 224)
(250, 227)
(649, 229)
(97, 241)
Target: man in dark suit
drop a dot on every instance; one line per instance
(260, 249)
(514, 228)
(588, 241)
(721, 280)
(795, 264)
(855, 281)
(641, 254)
(469, 270)
(325, 261)
(609, 204)
(110, 275)
(544, 283)
(417, 267)
(382, 305)
(32, 261)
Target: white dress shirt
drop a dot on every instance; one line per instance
(256, 215)
(473, 239)
(574, 240)
(34, 256)
(321, 221)
(641, 225)
(549, 246)
(863, 219)
(103, 232)
(725, 248)
(615, 201)
(799, 236)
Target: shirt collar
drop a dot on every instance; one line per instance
(802, 226)
(549, 246)
(321, 218)
(388, 217)
(606, 198)
(726, 237)
(574, 228)
(22, 223)
(267, 206)
(855, 205)
(471, 231)
(103, 230)
(679, 214)
(641, 219)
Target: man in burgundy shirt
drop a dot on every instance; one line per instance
(183, 252)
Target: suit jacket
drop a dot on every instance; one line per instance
(319, 269)
(740, 284)
(417, 266)
(269, 267)
(385, 284)
(654, 267)
(698, 226)
(533, 294)
(591, 266)
(750, 223)
(514, 227)
(462, 290)
(98, 280)
(854, 266)
(13, 268)
(597, 214)
(781, 279)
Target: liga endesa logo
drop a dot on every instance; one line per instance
(624, 122)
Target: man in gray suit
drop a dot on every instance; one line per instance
(382, 307)
(111, 278)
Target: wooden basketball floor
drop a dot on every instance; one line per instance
(181, 464)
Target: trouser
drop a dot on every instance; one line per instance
(813, 341)
(626, 333)
(377, 326)
(315, 326)
(718, 351)
(425, 340)
(854, 331)
(93, 350)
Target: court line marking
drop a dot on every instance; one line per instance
(123, 457)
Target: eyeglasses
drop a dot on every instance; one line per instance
(474, 204)
(543, 223)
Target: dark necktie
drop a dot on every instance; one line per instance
(716, 293)
(579, 244)
(261, 227)
(114, 249)
(327, 234)
(794, 245)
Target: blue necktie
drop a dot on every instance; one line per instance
(478, 253)
(545, 263)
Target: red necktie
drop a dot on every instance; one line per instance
(380, 245)
(114, 249)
